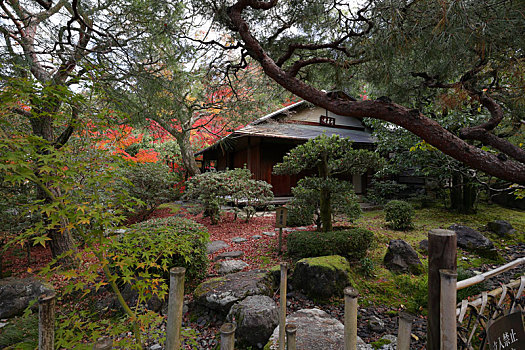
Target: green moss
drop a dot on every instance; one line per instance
(379, 343)
(210, 284)
(332, 262)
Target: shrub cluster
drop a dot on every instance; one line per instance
(151, 183)
(213, 189)
(352, 243)
(383, 191)
(155, 246)
(399, 215)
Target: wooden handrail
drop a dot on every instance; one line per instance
(486, 275)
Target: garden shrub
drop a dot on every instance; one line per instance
(305, 205)
(476, 289)
(213, 189)
(351, 243)
(416, 290)
(299, 215)
(382, 191)
(152, 183)
(399, 215)
(156, 245)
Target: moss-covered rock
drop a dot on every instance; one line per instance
(220, 293)
(321, 277)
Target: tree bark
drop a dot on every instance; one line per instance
(325, 196)
(61, 238)
(410, 119)
(186, 151)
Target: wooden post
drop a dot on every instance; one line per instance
(350, 333)
(175, 304)
(280, 240)
(282, 314)
(280, 221)
(449, 279)
(404, 330)
(103, 344)
(290, 336)
(46, 322)
(228, 336)
(442, 254)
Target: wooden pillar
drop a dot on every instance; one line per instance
(442, 254)
(404, 330)
(448, 324)
(282, 313)
(228, 336)
(291, 329)
(175, 305)
(350, 330)
(46, 322)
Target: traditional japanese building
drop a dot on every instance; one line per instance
(263, 143)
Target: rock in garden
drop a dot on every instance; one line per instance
(16, 293)
(220, 293)
(269, 234)
(256, 237)
(321, 277)
(501, 227)
(230, 266)
(239, 239)
(387, 342)
(316, 330)
(256, 318)
(229, 255)
(375, 324)
(215, 246)
(402, 258)
(423, 246)
(471, 240)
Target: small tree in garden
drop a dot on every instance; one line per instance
(152, 183)
(214, 189)
(399, 215)
(330, 156)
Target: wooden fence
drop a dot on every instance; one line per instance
(443, 321)
(287, 331)
(463, 325)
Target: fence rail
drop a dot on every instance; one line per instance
(486, 275)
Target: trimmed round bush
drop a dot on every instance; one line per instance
(157, 245)
(352, 243)
(399, 215)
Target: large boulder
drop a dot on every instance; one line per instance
(256, 318)
(501, 227)
(321, 277)
(471, 240)
(220, 293)
(402, 258)
(16, 294)
(316, 330)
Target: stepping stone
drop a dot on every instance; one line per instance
(215, 246)
(286, 229)
(269, 234)
(229, 255)
(239, 240)
(230, 266)
(256, 236)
